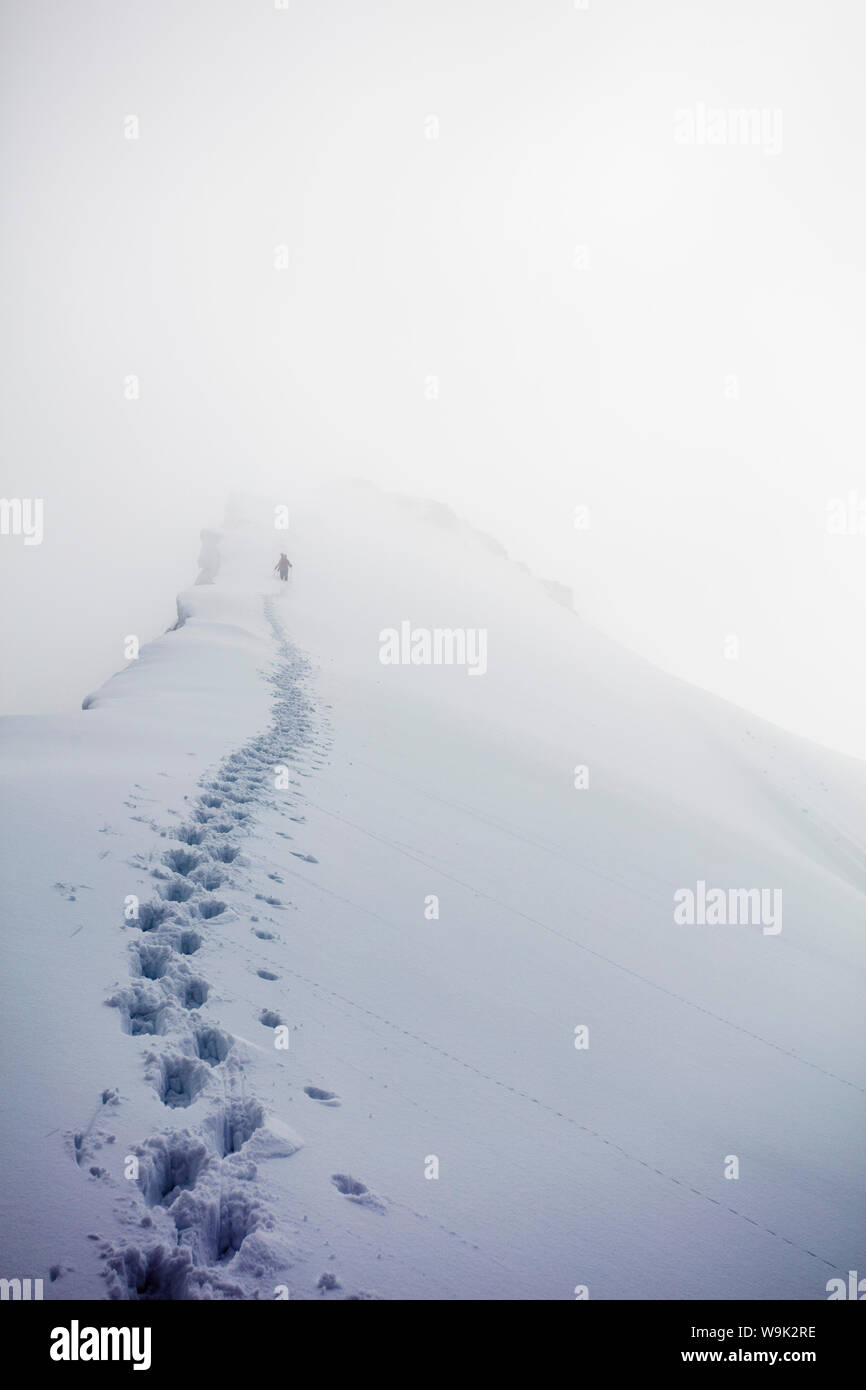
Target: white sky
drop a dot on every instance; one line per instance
(600, 383)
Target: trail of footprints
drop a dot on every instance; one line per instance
(194, 1184)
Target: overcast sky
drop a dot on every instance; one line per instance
(490, 251)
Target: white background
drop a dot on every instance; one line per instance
(600, 383)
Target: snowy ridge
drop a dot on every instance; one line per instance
(284, 808)
(196, 1183)
(443, 516)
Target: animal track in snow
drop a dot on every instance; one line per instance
(80, 1146)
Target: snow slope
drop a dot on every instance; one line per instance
(159, 1139)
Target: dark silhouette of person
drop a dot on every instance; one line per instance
(284, 564)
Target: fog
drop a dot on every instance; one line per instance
(499, 254)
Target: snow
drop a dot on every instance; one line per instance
(161, 1141)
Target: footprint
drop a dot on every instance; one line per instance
(177, 890)
(211, 907)
(179, 1080)
(193, 991)
(212, 1045)
(186, 943)
(357, 1192)
(181, 861)
(350, 1187)
(217, 1237)
(267, 975)
(142, 1006)
(226, 854)
(152, 915)
(236, 1122)
(190, 834)
(152, 961)
(209, 878)
(326, 1097)
(170, 1164)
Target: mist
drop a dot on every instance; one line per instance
(491, 254)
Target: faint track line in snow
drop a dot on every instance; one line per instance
(580, 946)
(681, 1183)
(556, 851)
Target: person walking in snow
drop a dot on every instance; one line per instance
(284, 564)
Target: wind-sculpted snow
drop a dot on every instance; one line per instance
(209, 557)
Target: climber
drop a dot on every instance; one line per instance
(284, 564)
